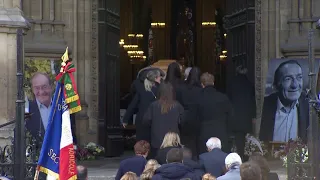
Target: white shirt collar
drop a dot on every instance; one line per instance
(40, 105)
(280, 106)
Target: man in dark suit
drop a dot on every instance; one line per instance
(213, 161)
(242, 91)
(214, 111)
(285, 112)
(40, 107)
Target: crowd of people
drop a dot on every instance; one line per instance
(175, 162)
(190, 106)
(169, 106)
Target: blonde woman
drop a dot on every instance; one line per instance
(146, 93)
(208, 176)
(149, 170)
(170, 140)
(129, 176)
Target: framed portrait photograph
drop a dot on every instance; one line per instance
(285, 113)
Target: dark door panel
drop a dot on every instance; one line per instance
(240, 25)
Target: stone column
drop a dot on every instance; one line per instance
(11, 19)
(83, 54)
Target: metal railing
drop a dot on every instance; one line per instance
(31, 155)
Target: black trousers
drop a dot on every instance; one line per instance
(240, 140)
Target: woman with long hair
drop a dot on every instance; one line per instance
(129, 176)
(170, 140)
(174, 76)
(151, 166)
(163, 116)
(190, 93)
(144, 96)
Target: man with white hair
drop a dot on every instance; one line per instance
(213, 161)
(232, 162)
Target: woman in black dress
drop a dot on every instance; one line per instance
(163, 116)
(144, 96)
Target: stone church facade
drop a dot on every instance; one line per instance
(281, 28)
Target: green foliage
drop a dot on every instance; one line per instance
(37, 65)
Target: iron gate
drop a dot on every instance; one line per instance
(18, 160)
(240, 25)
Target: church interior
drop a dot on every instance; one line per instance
(157, 33)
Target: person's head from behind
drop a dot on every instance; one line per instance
(187, 153)
(232, 160)
(152, 164)
(213, 143)
(187, 72)
(208, 176)
(82, 173)
(194, 77)
(166, 97)
(263, 164)
(129, 176)
(173, 73)
(171, 139)
(175, 155)
(153, 76)
(42, 88)
(207, 79)
(142, 148)
(250, 171)
(288, 81)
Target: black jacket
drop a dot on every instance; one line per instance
(242, 92)
(162, 123)
(195, 166)
(269, 112)
(174, 171)
(162, 155)
(214, 112)
(213, 162)
(141, 101)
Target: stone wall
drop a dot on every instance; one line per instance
(10, 20)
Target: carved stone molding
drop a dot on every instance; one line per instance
(94, 66)
(113, 19)
(258, 67)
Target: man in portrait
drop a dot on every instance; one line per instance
(285, 112)
(42, 89)
(40, 107)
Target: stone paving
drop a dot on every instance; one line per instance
(106, 168)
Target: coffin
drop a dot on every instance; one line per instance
(163, 64)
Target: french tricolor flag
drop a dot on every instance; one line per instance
(57, 158)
